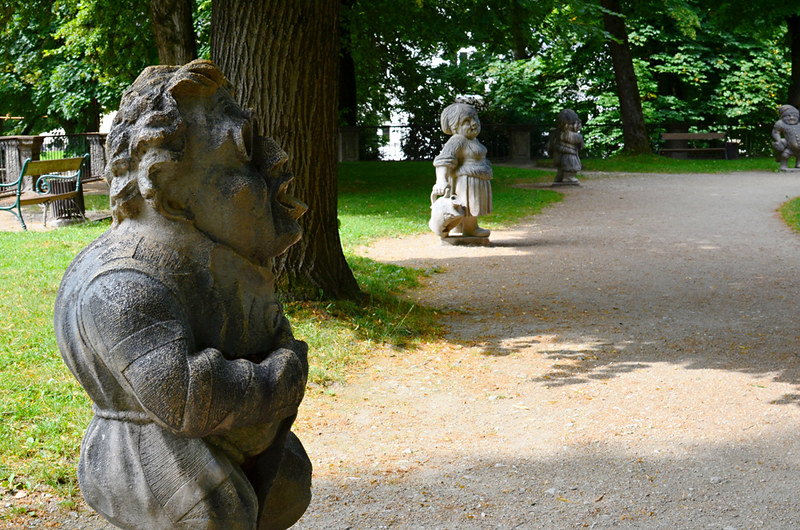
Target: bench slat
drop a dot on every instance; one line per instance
(43, 167)
(39, 198)
(667, 149)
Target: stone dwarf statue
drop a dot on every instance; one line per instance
(463, 171)
(786, 136)
(170, 322)
(564, 145)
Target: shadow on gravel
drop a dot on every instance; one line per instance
(682, 485)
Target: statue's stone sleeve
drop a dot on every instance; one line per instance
(450, 156)
(137, 327)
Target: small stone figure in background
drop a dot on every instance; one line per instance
(463, 178)
(170, 322)
(786, 136)
(564, 145)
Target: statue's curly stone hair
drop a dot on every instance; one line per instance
(148, 131)
(452, 114)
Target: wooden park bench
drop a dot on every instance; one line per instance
(53, 180)
(690, 139)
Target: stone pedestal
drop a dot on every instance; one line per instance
(474, 241)
(519, 140)
(348, 144)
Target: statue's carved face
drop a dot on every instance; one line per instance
(223, 190)
(791, 118)
(468, 125)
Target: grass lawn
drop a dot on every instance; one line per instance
(45, 411)
(790, 211)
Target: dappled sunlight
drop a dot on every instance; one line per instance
(628, 359)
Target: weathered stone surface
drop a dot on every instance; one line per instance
(463, 177)
(786, 137)
(564, 145)
(170, 322)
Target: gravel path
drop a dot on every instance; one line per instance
(628, 358)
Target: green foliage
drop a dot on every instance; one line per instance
(202, 27)
(64, 63)
(527, 60)
(718, 77)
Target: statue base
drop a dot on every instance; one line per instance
(475, 241)
(566, 183)
(789, 169)
(64, 221)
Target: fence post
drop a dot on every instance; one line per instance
(11, 157)
(19, 149)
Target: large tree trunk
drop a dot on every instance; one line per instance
(283, 61)
(173, 31)
(634, 133)
(793, 24)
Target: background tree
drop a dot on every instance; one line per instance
(173, 29)
(756, 17)
(64, 63)
(634, 132)
(283, 60)
(695, 62)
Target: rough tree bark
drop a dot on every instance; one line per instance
(283, 60)
(173, 31)
(793, 24)
(634, 133)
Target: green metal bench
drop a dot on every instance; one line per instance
(53, 181)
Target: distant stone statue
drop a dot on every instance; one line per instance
(463, 179)
(170, 322)
(786, 136)
(564, 145)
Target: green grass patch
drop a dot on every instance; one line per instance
(663, 164)
(96, 202)
(44, 410)
(342, 333)
(790, 211)
(390, 199)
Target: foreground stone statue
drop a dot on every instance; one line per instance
(463, 179)
(564, 145)
(170, 322)
(786, 136)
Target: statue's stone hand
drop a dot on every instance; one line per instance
(289, 372)
(440, 188)
(284, 340)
